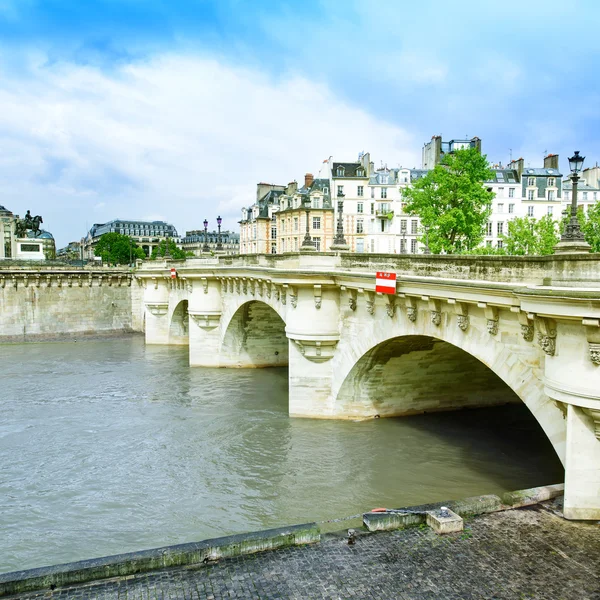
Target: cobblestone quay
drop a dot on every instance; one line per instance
(517, 554)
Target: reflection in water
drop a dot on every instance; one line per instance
(109, 446)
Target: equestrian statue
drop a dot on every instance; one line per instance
(28, 223)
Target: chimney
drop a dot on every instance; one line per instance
(308, 180)
(551, 161)
(292, 188)
(517, 165)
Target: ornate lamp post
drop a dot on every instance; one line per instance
(572, 240)
(219, 244)
(205, 248)
(339, 242)
(403, 249)
(307, 244)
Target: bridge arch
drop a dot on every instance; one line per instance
(254, 336)
(179, 324)
(400, 367)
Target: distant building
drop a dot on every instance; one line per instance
(194, 242)
(312, 201)
(435, 150)
(258, 225)
(146, 234)
(8, 248)
(72, 251)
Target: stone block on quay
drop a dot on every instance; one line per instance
(444, 520)
(386, 521)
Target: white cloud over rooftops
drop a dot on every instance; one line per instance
(184, 136)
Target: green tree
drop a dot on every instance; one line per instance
(174, 251)
(590, 225)
(117, 249)
(452, 202)
(527, 235)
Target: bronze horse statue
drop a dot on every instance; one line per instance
(28, 222)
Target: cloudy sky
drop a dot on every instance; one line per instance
(175, 109)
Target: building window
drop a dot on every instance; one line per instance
(550, 210)
(488, 226)
(413, 226)
(500, 207)
(595, 196)
(360, 191)
(500, 227)
(531, 181)
(567, 195)
(413, 246)
(585, 195)
(360, 173)
(402, 246)
(500, 243)
(295, 244)
(340, 171)
(372, 208)
(383, 222)
(501, 192)
(511, 192)
(530, 211)
(340, 190)
(403, 224)
(551, 195)
(550, 181)
(530, 195)
(295, 223)
(273, 233)
(316, 223)
(384, 192)
(359, 226)
(317, 243)
(359, 208)
(488, 244)
(511, 208)
(283, 245)
(372, 192)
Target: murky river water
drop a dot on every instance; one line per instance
(109, 446)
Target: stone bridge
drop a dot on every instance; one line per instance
(459, 332)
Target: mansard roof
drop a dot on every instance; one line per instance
(349, 170)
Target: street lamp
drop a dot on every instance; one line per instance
(219, 244)
(167, 250)
(340, 243)
(307, 244)
(572, 240)
(205, 248)
(403, 247)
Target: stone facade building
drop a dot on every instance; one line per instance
(194, 242)
(146, 234)
(258, 228)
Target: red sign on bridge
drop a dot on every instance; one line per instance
(173, 273)
(385, 283)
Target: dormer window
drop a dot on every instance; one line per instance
(340, 171)
(531, 181)
(360, 173)
(550, 181)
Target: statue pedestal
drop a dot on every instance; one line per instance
(574, 247)
(340, 248)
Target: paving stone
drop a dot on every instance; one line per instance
(529, 553)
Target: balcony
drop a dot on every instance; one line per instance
(384, 213)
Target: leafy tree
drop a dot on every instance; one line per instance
(452, 202)
(174, 251)
(527, 235)
(117, 249)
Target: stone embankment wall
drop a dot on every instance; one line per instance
(37, 304)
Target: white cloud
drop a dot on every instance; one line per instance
(181, 136)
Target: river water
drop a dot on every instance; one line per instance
(108, 446)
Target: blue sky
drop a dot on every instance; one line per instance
(175, 110)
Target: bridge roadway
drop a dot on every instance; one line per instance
(458, 332)
(516, 554)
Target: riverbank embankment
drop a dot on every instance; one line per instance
(502, 552)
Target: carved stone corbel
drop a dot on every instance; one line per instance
(244, 285)
(547, 335)
(293, 295)
(491, 315)
(592, 333)
(261, 291)
(526, 322)
(594, 413)
(351, 296)
(390, 306)
(25, 280)
(461, 310)
(252, 287)
(283, 294)
(204, 282)
(2, 282)
(15, 282)
(317, 293)
(276, 292)
(268, 288)
(158, 309)
(410, 304)
(435, 309)
(370, 301)
(237, 285)
(206, 320)
(59, 281)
